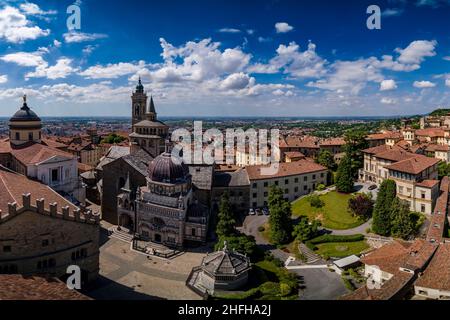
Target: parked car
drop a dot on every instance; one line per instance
(259, 212)
(265, 211)
(373, 187)
(251, 212)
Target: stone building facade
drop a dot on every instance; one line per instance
(45, 236)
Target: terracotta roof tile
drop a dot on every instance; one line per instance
(414, 165)
(19, 287)
(14, 185)
(285, 169)
(437, 274)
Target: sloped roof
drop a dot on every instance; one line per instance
(414, 165)
(14, 185)
(437, 274)
(225, 262)
(19, 287)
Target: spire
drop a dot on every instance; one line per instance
(140, 87)
(152, 105)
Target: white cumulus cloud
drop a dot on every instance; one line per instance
(386, 85)
(424, 84)
(283, 27)
(16, 28)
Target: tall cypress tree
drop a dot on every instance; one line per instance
(402, 225)
(226, 223)
(382, 220)
(280, 217)
(344, 175)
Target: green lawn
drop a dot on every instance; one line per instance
(333, 215)
(341, 249)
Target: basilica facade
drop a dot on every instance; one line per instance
(159, 198)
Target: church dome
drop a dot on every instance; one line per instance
(167, 170)
(25, 114)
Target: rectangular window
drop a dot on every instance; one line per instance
(422, 195)
(6, 248)
(254, 185)
(54, 175)
(314, 177)
(305, 178)
(193, 232)
(422, 208)
(254, 195)
(286, 191)
(296, 180)
(45, 243)
(266, 184)
(30, 136)
(276, 183)
(286, 181)
(265, 194)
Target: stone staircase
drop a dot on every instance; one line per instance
(311, 257)
(122, 234)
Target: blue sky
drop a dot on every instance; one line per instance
(226, 58)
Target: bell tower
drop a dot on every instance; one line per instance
(138, 104)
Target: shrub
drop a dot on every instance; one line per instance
(315, 201)
(348, 284)
(334, 238)
(361, 205)
(320, 187)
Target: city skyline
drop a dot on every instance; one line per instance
(231, 59)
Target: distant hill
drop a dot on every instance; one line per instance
(440, 112)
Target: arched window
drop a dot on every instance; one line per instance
(136, 109)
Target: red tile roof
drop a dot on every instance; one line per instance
(14, 185)
(19, 287)
(36, 153)
(414, 165)
(427, 183)
(430, 132)
(285, 169)
(437, 222)
(437, 274)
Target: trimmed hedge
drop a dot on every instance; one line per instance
(333, 238)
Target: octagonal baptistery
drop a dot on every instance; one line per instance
(25, 126)
(224, 270)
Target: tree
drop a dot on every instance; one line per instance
(113, 138)
(280, 217)
(242, 243)
(361, 205)
(226, 223)
(382, 211)
(402, 224)
(315, 201)
(344, 175)
(326, 159)
(355, 142)
(443, 169)
(305, 230)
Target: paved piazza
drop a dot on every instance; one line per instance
(126, 274)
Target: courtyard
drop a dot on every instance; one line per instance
(129, 275)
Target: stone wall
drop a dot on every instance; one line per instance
(115, 173)
(38, 243)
